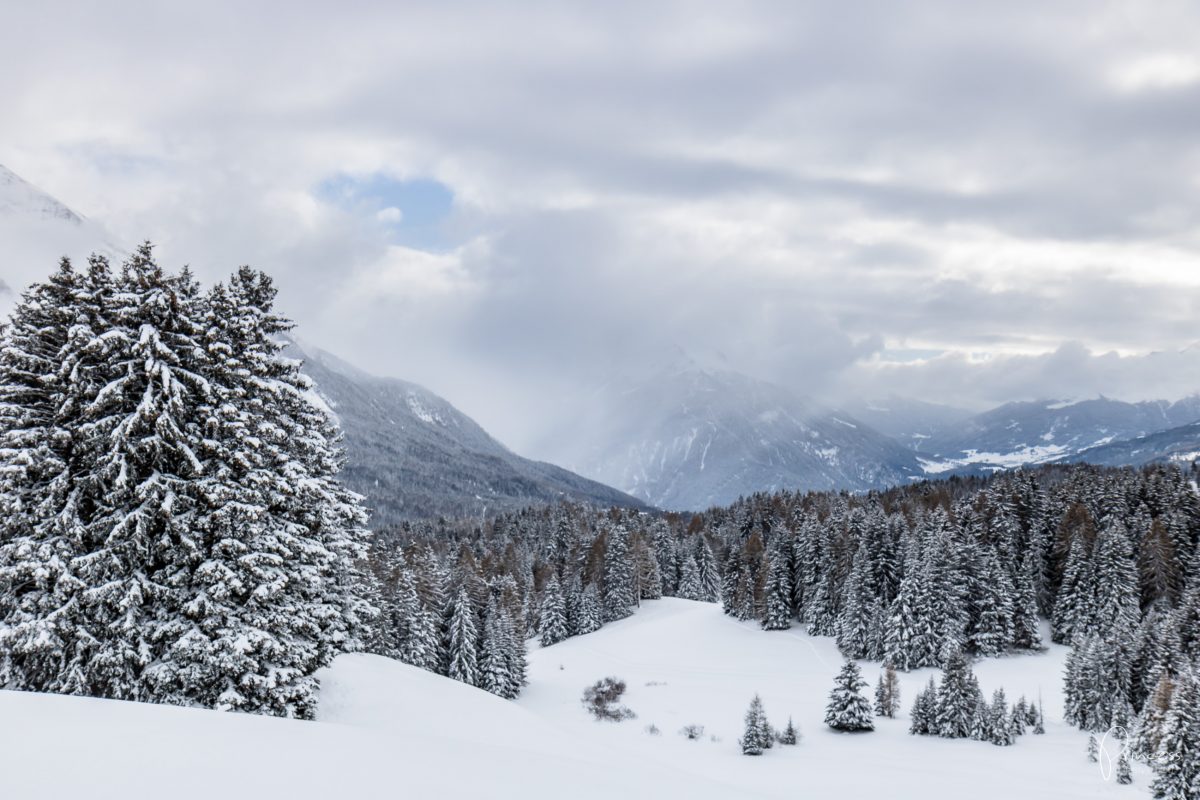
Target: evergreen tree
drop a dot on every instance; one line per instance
(1093, 749)
(1026, 626)
(1176, 766)
(778, 588)
(1124, 773)
(620, 599)
(552, 626)
(710, 578)
(887, 693)
(924, 711)
(689, 580)
(848, 710)
(463, 644)
(1002, 729)
(956, 698)
(790, 736)
(757, 734)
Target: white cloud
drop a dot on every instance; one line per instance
(815, 191)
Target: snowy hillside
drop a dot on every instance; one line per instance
(36, 230)
(1021, 434)
(690, 438)
(413, 454)
(388, 730)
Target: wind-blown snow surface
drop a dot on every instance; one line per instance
(388, 730)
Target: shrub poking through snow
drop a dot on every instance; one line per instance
(601, 699)
(693, 732)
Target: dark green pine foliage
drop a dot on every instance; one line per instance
(848, 710)
(1026, 625)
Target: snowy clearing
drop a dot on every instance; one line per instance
(389, 730)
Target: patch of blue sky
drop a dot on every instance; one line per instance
(415, 211)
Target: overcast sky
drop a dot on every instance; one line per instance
(965, 202)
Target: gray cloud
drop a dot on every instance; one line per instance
(807, 190)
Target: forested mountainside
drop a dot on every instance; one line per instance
(412, 454)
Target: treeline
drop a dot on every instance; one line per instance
(171, 527)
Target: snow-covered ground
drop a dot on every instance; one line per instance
(388, 730)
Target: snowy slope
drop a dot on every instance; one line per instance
(387, 730)
(35, 231)
(413, 454)
(1179, 445)
(687, 663)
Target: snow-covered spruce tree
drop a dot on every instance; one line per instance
(272, 588)
(1124, 773)
(589, 618)
(790, 735)
(495, 663)
(778, 589)
(463, 641)
(990, 630)
(192, 577)
(710, 577)
(956, 698)
(848, 710)
(887, 693)
(856, 623)
(43, 373)
(552, 626)
(1093, 748)
(756, 737)
(1002, 729)
(1176, 767)
(620, 597)
(415, 628)
(1073, 604)
(923, 717)
(689, 580)
(1026, 626)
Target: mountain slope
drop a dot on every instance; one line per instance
(415, 455)
(690, 438)
(1017, 434)
(1180, 445)
(35, 231)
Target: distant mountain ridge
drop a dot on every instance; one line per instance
(414, 455)
(1025, 433)
(690, 438)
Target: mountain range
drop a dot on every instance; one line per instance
(682, 438)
